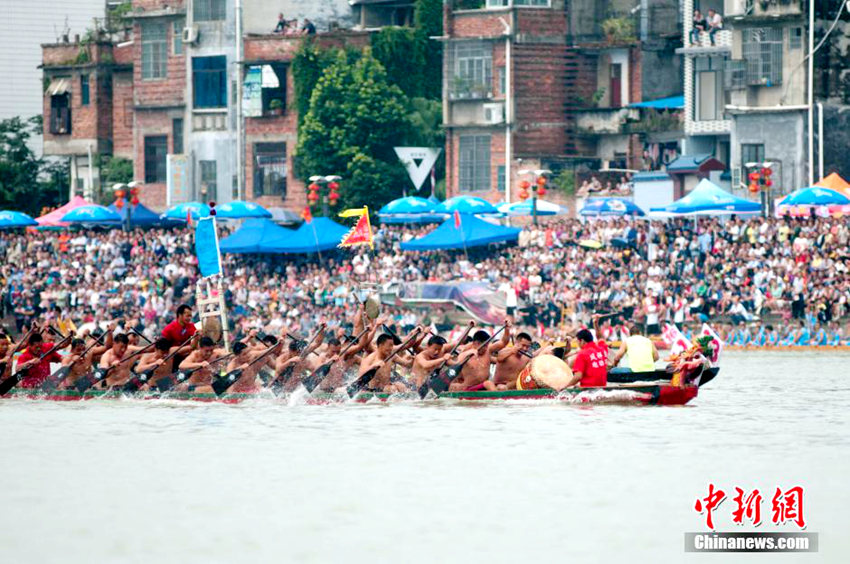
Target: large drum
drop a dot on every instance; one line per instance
(545, 371)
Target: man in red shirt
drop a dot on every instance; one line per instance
(590, 367)
(35, 372)
(181, 328)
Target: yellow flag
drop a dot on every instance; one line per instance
(354, 212)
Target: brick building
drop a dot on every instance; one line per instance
(549, 83)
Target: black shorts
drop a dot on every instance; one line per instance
(653, 329)
(511, 311)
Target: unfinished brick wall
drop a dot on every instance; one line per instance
(160, 92)
(122, 114)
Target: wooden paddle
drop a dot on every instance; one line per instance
(138, 380)
(363, 381)
(222, 384)
(318, 375)
(99, 374)
(59, 376)
(426, 385)
(440, 385)
(165, 384)
(281, 379)
(17, 377)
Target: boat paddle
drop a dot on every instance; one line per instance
(59, 376)
(16, 378)
(222, 384)
(319, 374)
(441, 384)
(139, 380)
(280, 380)
(426, 385)
(362, 381)
(165, 384)
(99, 374)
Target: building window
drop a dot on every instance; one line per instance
(209, 82)
(156, 149)
(796, 41)
(270, 169)
(84, 90)
(503, 87)
(177, 136)
(474, 163)
(709, 81)
(209, 10)
(750, 153)
(208, 181)
(500, 179)
(762, 49)
(60, 114)
(473, 70)
(177, 37)
(154, 50)
(536, 3)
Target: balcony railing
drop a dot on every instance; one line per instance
(60, 121)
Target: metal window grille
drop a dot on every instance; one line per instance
(474, 163)
(796, 40)
(209, 190)
(154, 50)
(472, 68)
(84, 90)
(209, 10)
(177, 36)
(735, 74)
(270, 169)
(156, 149)
(762, 49)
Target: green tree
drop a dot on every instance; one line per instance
(308, 65)
(428, 21)
(27, 183)
(401, 52)
(355, 119)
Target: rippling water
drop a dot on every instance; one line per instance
(148, 481)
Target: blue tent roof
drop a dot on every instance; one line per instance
(671, 103)
(249, 237)
(687, 163)
(409, 210)
(709, 199)
(610, 207)
(141, 216)
(473, 232)
(321, 234)
(815, 196)
(466, 204)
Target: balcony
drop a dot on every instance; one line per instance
(604, 121)
(722, 44)
(706, 127)
(462, 89)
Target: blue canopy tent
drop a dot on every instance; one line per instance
(321, 234)
(252, 234)
(708, 199)
(473, 232)
(12, 219)
(237, 209)
(409, 210)
(179, 212)
(140, 216)
(815, 196)
(610, 207)
(92, 214)
(671, 103)
(466, 204)
(525, 208)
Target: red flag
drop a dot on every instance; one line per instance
(307, 215)
(188, 217)
(457, 220)
(361, 233)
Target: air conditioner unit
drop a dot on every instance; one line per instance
(494, 113)
(190, 34)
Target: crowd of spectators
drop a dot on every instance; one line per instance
(790, 273)
(594, 186)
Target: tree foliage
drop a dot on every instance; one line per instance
(27, 183)
(400, 51)
(355, 119)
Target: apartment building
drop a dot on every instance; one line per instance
(745, 93)
(551, 84)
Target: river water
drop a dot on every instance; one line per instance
(161, 481)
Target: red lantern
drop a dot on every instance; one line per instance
(768, 182)
(333, 186)
(119, 194)
(333, 198)
(767, 171)
(313, 187)
(541, 191)
(312, 197)
(754, 187)
(134, 191)
(541, 180)
(525, 185)
(119, 203)
(754, 176)
(523, 194)
(135, 200)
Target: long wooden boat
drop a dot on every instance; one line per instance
(658, 376)
(638, 394)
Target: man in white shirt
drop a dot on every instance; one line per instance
(715, 24)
